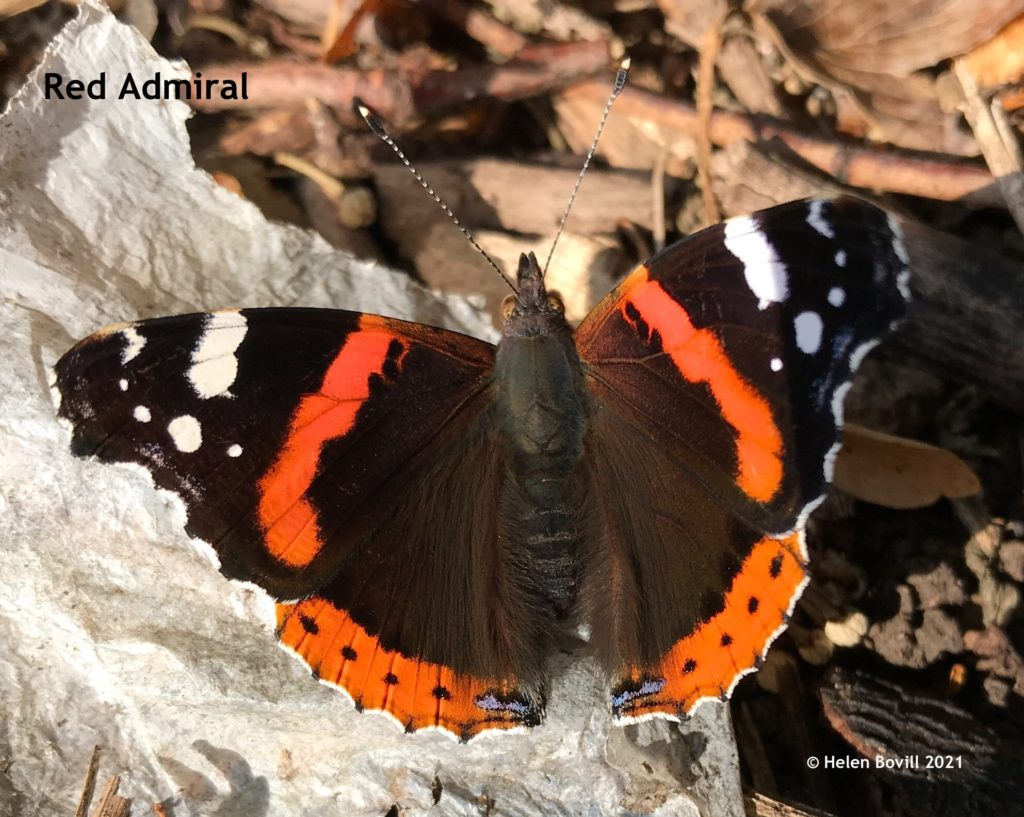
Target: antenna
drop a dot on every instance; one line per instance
(619, 84)
(374, 123)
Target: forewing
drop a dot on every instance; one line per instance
(726, 358)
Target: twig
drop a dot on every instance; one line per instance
(997, 141)
(710, 44)
(90, 783)
(255, 45)
(908, 172)
(481, 26)
(658, 199)
(758, 805)
(331, 186)
(338, 45)
(536, 70)
(398, 97)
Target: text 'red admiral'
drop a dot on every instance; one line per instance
(155, 87)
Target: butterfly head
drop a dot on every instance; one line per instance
(532, 309)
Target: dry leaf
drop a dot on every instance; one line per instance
(899, 473)
(870, 49)
(881, 37)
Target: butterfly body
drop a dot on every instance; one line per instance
(542, 408)
(426, 507)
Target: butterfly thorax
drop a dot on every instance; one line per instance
(541, 414)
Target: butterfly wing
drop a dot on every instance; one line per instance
(346, 464)
(717, 372)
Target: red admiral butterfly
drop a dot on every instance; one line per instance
(427, 507)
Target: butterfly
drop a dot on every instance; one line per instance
(428, 509)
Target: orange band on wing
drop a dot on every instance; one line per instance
(418, 694)
(711, 659)
(700, 358)
(288, 520)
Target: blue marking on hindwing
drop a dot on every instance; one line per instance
(650, 687)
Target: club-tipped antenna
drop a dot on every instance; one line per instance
(374, 123)
(617, 86)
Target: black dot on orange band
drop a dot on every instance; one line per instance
(775, 568)
(752, 605)
(348, 653)
(395, 349)
(308, 624)
(689, 666)
(726, 639)
(441, 693)
(391, 679)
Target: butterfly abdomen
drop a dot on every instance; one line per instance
(542, 417)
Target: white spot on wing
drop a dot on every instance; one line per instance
(122, 384)
(816, 218)
(214, 364)
(837, 296)
(186, 433)
(133, 344)
(55, 395)
(900, 248)
(765, 273)
(142, 414)
(858, 354)
(903, 284)
(841, 258)
(776, 364)
(897, 240)
(838, 398)
(808, 327)
(235, 450)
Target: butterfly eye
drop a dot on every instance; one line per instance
(508, 305)
(555, 302)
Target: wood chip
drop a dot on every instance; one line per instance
(882, 719)
(849, 632)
